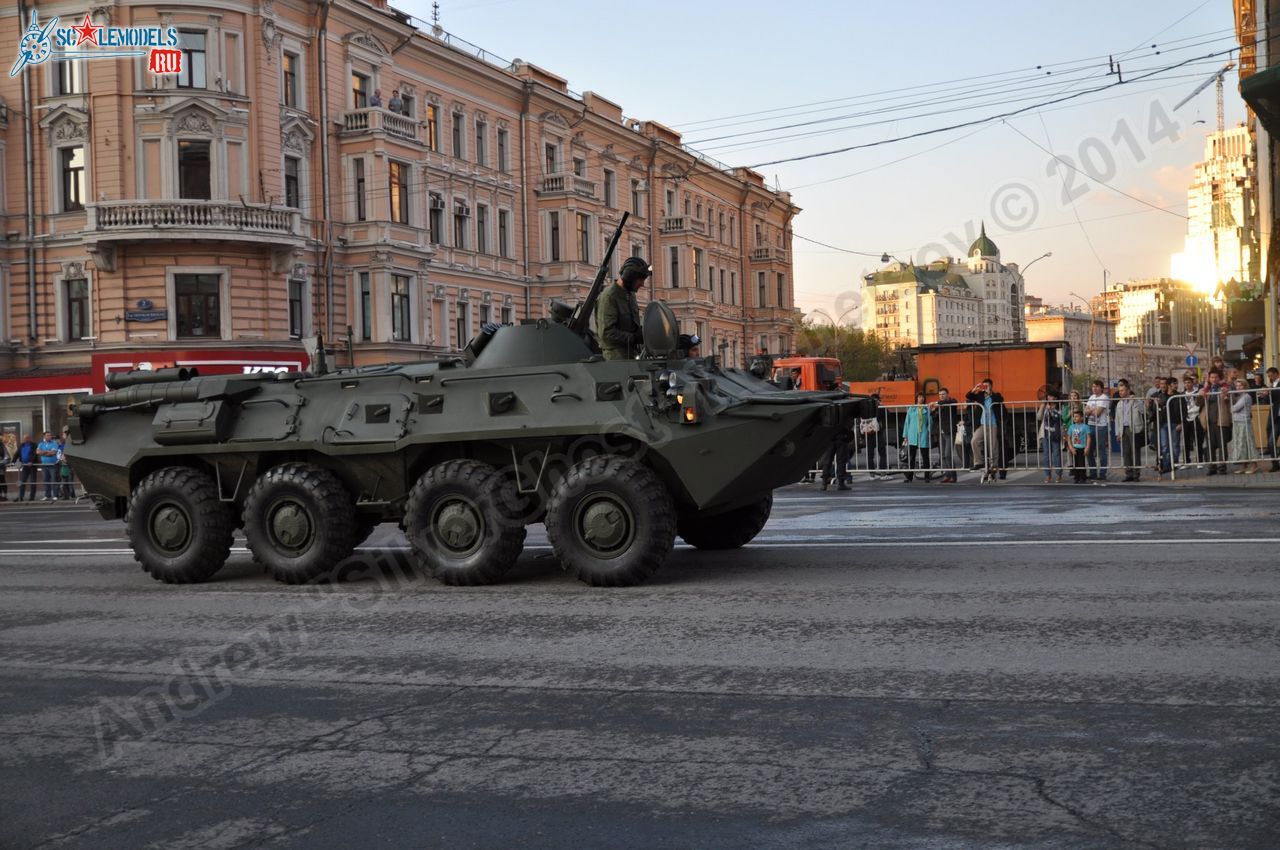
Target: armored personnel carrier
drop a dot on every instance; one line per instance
(526, 425)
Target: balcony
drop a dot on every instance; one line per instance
(375, 119)
(110, 222)
(684, 224)
(567, 184)
(766, 254)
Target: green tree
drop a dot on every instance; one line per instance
(863, 356)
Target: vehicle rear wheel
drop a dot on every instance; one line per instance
(178, 527)
(729, 530)
(298, 522)
(611, 522)
(459, 523)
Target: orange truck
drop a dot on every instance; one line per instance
(816, 373)
(1020, 371)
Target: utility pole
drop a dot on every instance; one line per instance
(1107, 329)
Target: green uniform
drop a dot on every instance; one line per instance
(618, 323)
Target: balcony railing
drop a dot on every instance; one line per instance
(766, 254)
(194, 219)
(375, 119)
(684, 224)
(568, 184)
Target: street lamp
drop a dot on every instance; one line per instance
(1023, 271)
(1022, 274)
(1106, 330)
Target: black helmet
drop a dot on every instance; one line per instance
(634, 268)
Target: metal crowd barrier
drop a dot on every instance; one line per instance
(65, 489)
(1171, 439)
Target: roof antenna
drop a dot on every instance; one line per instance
(436, 29)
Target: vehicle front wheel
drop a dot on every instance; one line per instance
(611, 522)
(179, 529)
(460, 525)
(729, 530)
(299, 522)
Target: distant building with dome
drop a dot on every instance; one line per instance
(970, 300)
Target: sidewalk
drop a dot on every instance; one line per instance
(1187, 477)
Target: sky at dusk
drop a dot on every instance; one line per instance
(870, 72)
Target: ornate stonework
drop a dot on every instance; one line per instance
(194, 122)
(73, 270)
(69, 130)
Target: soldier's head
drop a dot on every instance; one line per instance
(634, 272)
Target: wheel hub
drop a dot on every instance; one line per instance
(459, 526)
(290, 526)
(170, 528)
(606, 525)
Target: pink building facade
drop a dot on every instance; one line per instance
(338, 170)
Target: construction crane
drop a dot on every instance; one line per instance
(1216, 77)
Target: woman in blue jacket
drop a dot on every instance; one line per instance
(915, 436)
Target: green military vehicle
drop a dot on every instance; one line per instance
(528, 424)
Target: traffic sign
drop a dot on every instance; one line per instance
(1192, 360)
(1191, 347)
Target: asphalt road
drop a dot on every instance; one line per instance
(895, 667)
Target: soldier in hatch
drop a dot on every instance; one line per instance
(618, 315)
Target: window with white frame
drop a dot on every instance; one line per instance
(579, 166)
(553, 236)
(584, 237)
(433, 127)
(462, 331)
(359, 90)
(504, 142)
(461, 216)
(435, 218)
(71, 181)
(506, 315)
(610, 200)
(76, 301)
(292, 188)
(366, 308)
(194, 74)
(697, 267)
(401, 312)
(762, 290)
(482, 229)
(675, 268)
(782, 289)
(195, 173)
(296, 289)
(637, 201)
(69, 78)
(459, 141)
(504, 233)
(290, 69)
(398, 190)
(482, 144)
(199, 305)
(551, 153)
(362, 199)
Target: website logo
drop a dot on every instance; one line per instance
(50, 42)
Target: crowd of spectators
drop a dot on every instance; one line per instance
(40, 464)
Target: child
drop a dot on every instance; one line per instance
(1079, 438)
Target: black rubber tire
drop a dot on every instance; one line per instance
(606, 485)
(729, 530)
(329, 522)
(189, 497)
(475, 493)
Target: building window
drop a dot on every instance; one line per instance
(433, 127)
(408, 106)
(77, 307)
(398, 187)
(671, 203)
(295, 307)
(759, 236)
(359, 91)
(400, 313)
(762, 290)
(457, 136)
(782, 289)
(463, 328)
(553, 221)
(482, 229)
(482, 144)
(722, 286)
(193, 60)
(362, 210)
(552, 158)
(733, 287)
(435, 219)
(609, 200)
(675, 268)
(503, 137)
(635, 198)
(733, 232)
(697, 267)
(292, 197)
(71, 165)
(722, 228)
(506, 315)
(579, 166)
(289, 66)
(366, 308)
(486, 314)
(584, 237)
(199, 304)
(504, 233)
(460, 215)
(70, 78)
(194, 174)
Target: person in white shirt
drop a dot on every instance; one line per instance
(1097, 411)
